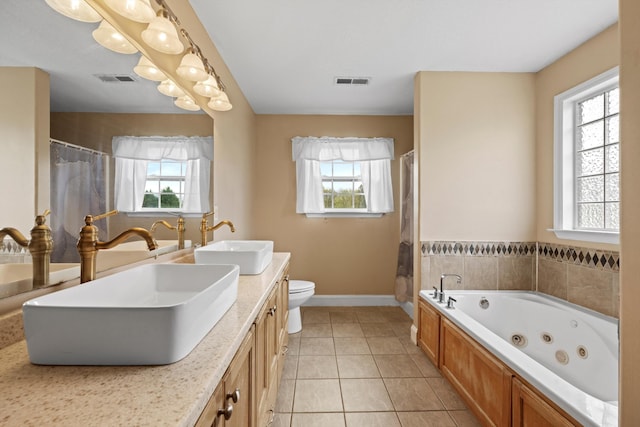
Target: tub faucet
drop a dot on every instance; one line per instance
(444, 276)
(89, 244)
(40, 246)
(204, 228)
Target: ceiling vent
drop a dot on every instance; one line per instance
(352, 81)
(115, 78)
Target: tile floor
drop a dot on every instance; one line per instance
(356, 366)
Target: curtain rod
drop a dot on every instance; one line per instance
(77, 147)
(408, 153)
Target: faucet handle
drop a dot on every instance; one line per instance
(206, 214)
(104, 215)
(450, 302)
(40, 219)
(435, 293)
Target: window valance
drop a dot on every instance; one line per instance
(347, 149)
(179, 148)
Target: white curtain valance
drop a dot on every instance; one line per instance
(347, 149)
(179, 148)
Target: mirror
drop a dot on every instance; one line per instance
(94, 95)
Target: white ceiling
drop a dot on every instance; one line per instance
(285, 54)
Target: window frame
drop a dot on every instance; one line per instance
(160, 178)
(342, 178)
(565, 116)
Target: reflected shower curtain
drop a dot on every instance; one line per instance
(78, 188)
(404, 274)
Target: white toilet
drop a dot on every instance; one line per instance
(299, 292)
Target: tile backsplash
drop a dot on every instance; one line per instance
(583, 276)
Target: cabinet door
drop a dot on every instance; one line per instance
(429, 331)
(531, 410)
(481, 379)
(213, 413)
(262, 362)
(273, 344)
(239, 386)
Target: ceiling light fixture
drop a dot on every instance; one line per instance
(148, 70)
(135, 10)
(208, 88)
(192, 68)
(169, 88)
(220, 103)
(108, 37)
(162, 35)
(75, 9)
(186, 103)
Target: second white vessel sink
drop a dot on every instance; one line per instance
(252, 256)
(149, 315)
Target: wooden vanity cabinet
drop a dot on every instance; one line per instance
(429, 331)
(232, 402)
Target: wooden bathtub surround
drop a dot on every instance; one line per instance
(496, 395)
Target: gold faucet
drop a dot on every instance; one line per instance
(180, 227)
(89, 245)
(40, 246)
(204, 228)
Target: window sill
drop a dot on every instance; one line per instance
(155, 214)
(344, 215)
(610, 237)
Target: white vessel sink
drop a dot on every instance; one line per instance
(134, 251)
(252, 256)
(149, 315)
(16, 278)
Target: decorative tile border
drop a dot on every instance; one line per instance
(586, 257)
(479, 248)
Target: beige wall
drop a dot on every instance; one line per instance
(630, 236)
(24, 140)
(96, 131)
(341, 255)
(595, 56)
(477, 173)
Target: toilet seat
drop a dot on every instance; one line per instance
(298, 286)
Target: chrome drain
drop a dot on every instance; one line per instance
(484, 303)
(547, 338)
(562, 357)
(582, 352)
(519, 340)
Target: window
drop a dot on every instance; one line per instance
(587, 160)
(162, 174)
(343, 176)
(342, 185)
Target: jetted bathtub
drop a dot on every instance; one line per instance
(569, 353)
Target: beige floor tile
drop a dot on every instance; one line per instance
(377, 330)
(371, 316)
(290, 370)
(281, 420)
(426, 419)
(284, 401)
(412, 394)
(446, 393)
(317, 396)
(402, 329)
(317, 330)
(427, 368)
(365, 395)
(317, 367)
(318, 420)
(408, 345)
(315, 316)
(385, 345)
(343, 317)
(397, 366)
(396, 316)
(351, 346)
(347, 330)
(293, 345)
(372, 419)
(464, 419)
(316, 347)
(357, 366)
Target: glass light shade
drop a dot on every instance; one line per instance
(148, 70)
(75, 9)
(136, 10)
(186, 103)
(192, 68)
(169, 88)
(208, 88)
(162, 36)
(220, 103)
(108, 37)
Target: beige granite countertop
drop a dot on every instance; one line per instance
(169, 395)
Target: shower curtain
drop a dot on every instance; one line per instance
(404, 274)
(78, 188)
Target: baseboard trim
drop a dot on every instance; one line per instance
(358, 301)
